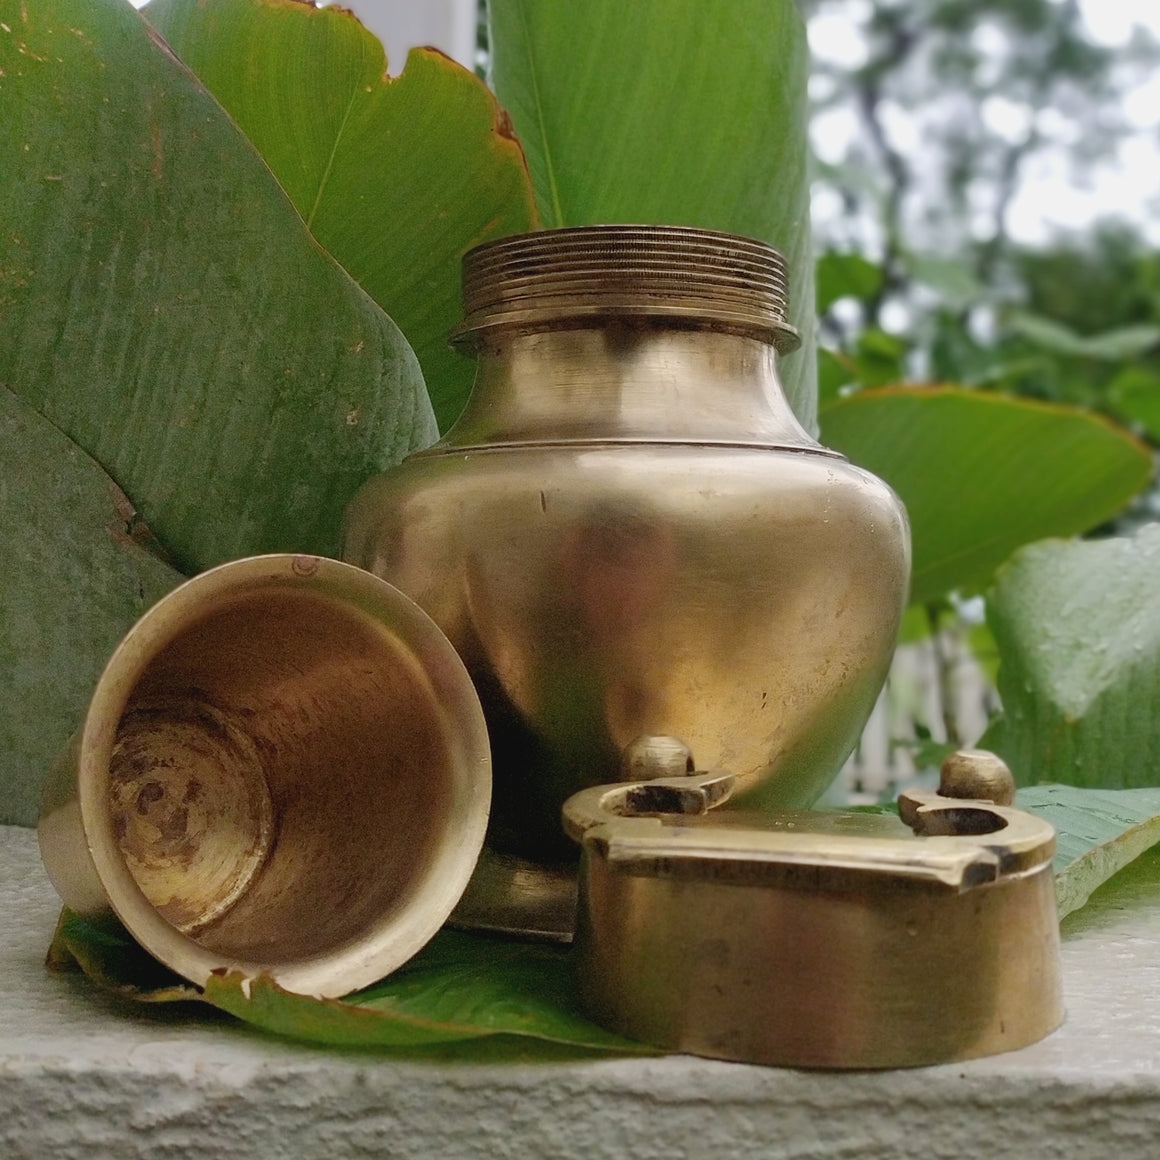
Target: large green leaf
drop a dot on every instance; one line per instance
(459, 988)
(1078, 628)
(678, 112)
(396, 178)
(75, 578)
(162, 303)
(981, 474)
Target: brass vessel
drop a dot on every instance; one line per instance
(628, 534)
(835, 940)
(284, 769)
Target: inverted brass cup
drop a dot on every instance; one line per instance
(284, 768)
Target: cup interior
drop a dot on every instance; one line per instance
(287, 788)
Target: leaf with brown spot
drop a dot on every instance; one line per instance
(170, 312)
(396, 177)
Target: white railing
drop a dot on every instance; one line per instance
(911, 704)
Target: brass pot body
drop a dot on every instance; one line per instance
(628, 533)
(283, 769)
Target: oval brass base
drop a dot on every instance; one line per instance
(830, 941)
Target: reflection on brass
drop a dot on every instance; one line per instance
(805, 939)
(628, 534)
(283, 768)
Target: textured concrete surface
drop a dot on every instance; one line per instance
(85, 1076)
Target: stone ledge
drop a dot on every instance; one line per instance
(83, 1075)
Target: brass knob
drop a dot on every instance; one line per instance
(977, 774)
(650, 757)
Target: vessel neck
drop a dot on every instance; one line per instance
(627, 381)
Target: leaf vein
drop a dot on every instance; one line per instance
(330, 160)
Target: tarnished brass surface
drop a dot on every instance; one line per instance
(815, 940)
(283, 768)
(629, 534)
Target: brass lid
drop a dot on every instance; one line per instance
(805, 939)
(671, 272)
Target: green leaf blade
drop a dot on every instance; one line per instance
(668, 112)
(981, 474)
(460, 987)
(1098, 833)
(75, 581)
(333, 1022)
(460, 990)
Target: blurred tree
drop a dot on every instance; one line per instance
(1086, 330)
(929, 116)
(934, 123)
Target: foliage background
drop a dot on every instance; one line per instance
(997, 166)
(985, 196)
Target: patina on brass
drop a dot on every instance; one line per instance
(807, 939)
(628, 534)
(284, 768)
